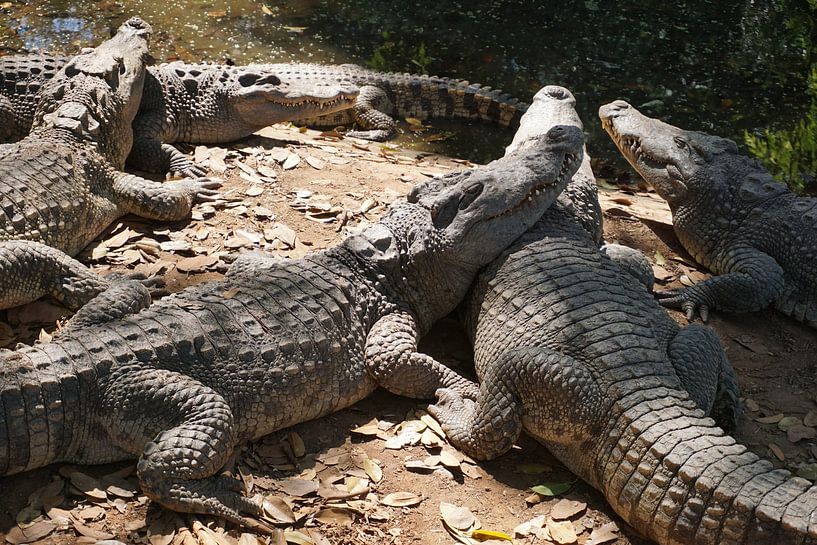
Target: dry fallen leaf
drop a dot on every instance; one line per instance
(774, 419)
(292, 161)
(401, 499)
(278, 510)
(810, 419)
(777, 451)
(525, 528)
(603, 534)
(298, 487)
(458, 517)
(334, 515)
(565, 509)
(35, 532)
(562, 532)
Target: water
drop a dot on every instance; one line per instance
(723, 67)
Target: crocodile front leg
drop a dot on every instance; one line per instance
(30, 270)
(392, 359)
(369, 112)
(183, 433)
(151, 155)
(169, 201)
(698, 358)
(534, 386)
(752, 282)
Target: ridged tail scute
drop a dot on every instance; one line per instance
(430, 96)
(671, 473)
(44, 402)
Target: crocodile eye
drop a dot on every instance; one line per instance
(469, 194)
(680, 142)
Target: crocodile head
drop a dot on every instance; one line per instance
(261, 97)
(679, 164)
(433, 246)
(96, 95)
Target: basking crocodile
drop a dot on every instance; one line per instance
(383, 94)
(192, 103)
(62, 185)
(572, 349)
(181, 383)
(203, 103)
(729, 214)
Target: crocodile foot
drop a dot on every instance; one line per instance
(688, 300)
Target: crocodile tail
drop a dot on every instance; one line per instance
(675, 476)
(425, 97)
(42, 402)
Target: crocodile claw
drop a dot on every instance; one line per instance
(687, 300)
(205, 188)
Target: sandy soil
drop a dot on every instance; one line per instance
(333, 477)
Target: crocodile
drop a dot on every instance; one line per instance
(205, 103)
(383, 94)
(182, 382)
(759, 238)
(572, 349)
(63, 184)
(190, 103)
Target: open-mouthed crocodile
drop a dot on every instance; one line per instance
(180, 383)
(729, 214)
(572, 349)
(63, 184)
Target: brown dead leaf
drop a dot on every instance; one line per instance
(777, 451)
(254, 190)
(298, 487)
(449, 459)
(798, 433)
(525, 528)
(565, 509)
(315, 163)
(773, 419)
(87, 485)
(369, 430)
(401, 499)
(230, 293)
(810, 419)
(30, 534)
(278, 510)
(88, 531)
(292, 161)
(457, 517)
(196, 264)
(622, 201)
(334, 515)
(562, 532)
(603, 534)
(297, 444)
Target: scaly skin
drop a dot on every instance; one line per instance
(181, 383)
(201, 103)
(63, 185)
(192, 103)
(729, 214)
(571, 349)
(383, 94)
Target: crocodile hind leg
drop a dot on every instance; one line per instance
(369, 112)
(122, 298)
(170, 201)
(153, 156)
(183, 433)
(536, 385)
(392, 359)
(30, 270)
(700, 362)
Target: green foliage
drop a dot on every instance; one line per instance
(389, 55)
(791, 154)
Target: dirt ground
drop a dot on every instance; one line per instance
(379, 472)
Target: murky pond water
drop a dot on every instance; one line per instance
(725, 67)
